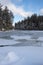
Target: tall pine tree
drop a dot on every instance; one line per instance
(6, 18)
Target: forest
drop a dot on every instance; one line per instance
(6, 18)
(35, 22)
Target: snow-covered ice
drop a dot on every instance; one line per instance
(9, 58)
(21, 56)
(22, 49)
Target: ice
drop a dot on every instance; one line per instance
(40, 39)
(22, 49)
(7, 42)
(21, 37)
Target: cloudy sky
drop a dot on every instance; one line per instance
(23, 8)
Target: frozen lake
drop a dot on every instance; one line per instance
(22, 48)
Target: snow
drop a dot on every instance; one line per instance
(40, 38)
(21, 37)
(10, 57)
(21, 56)
(22, 49)
(7, 42)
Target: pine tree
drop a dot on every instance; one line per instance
(1, 21)
(6, 18)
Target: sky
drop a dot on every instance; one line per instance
(23, 8)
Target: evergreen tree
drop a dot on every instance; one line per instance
(1, 21)
(6, 18)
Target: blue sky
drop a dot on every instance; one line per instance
(30, 5)
(24, 8)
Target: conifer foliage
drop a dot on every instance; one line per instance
(6, 18)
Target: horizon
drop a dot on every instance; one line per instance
(23, 8)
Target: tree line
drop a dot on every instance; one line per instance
(35, 22)
(6, 18)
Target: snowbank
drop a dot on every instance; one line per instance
(21, 56)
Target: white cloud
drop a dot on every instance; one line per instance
(41, 11)
(16, 10)
(19, 10)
